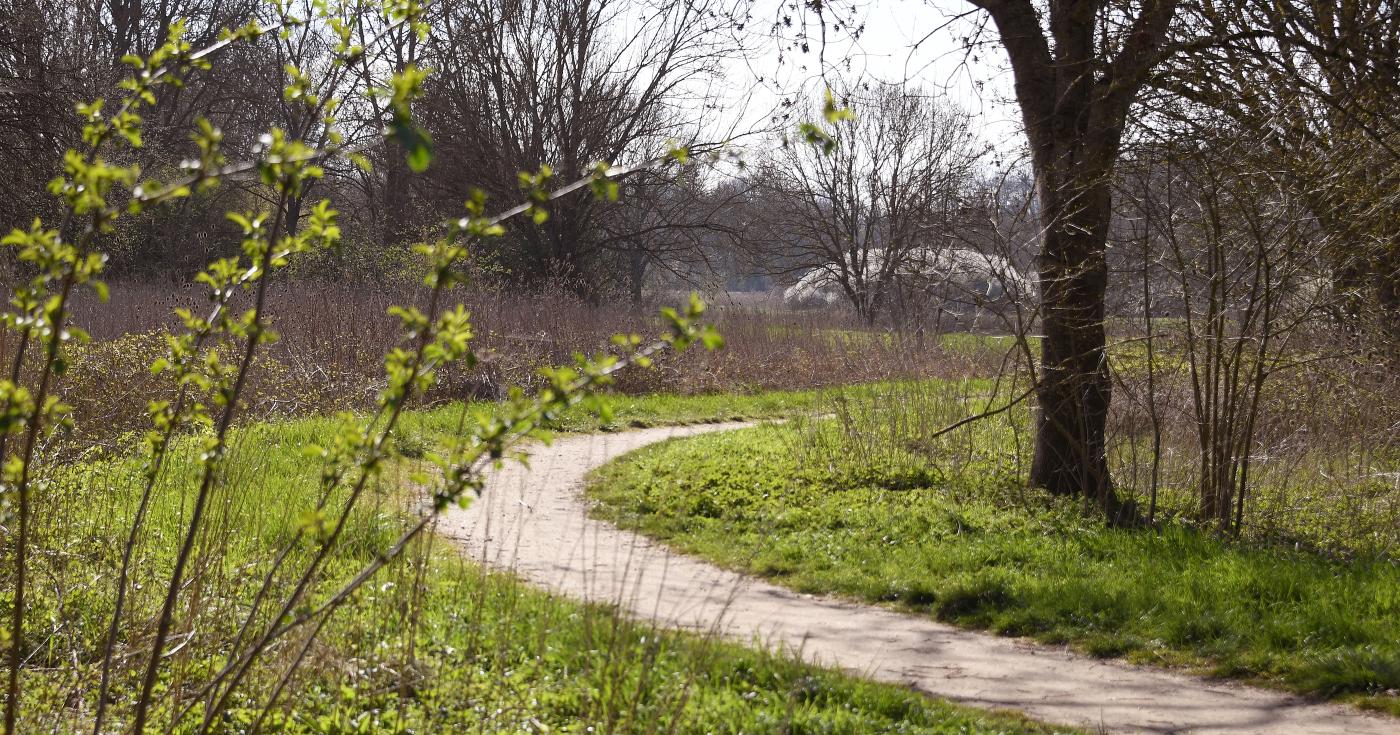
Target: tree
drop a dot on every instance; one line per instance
(57, 53)
(1078, 67)
(1319, 82)
(1236, 257)
(882, 195)
(668, 225)
(563, 84)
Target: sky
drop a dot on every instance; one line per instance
(912, 41)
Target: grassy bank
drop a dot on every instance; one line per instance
(948, 529)
(434, 644)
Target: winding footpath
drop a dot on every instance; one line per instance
(535, 523)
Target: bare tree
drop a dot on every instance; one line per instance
(1319, 83)
(883, 195)
(668, 225)
(56, 54)
(1239, 261)
(563, 84)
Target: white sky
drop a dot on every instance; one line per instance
(916, 41)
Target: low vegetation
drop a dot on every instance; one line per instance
(466, 651)
(856, 505)
(331, 358)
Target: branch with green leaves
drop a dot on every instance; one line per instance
(208, 388)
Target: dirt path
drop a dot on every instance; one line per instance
(535, 523)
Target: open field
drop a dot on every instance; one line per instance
(332, 339)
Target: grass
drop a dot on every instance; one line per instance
(333, 336)
(465, 651)
(955, 342)
(971, 546)
(652, 409)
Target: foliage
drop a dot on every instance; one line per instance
(206, 367)
(222, 577)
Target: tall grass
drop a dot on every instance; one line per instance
(332, 338)
(1325, 470)
(1323, 455)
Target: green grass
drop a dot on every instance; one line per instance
(974, 548)
(482, 652)
(962, 343)
(642, 411)
(967, 343)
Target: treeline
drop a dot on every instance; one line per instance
(551, 87)
(1255, 116)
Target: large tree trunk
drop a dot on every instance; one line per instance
(1075, 96)
(1075, 390)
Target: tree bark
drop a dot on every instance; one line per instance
(395, 198)
(1075, 389)
(1075, 95)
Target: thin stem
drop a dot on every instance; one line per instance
(375, 455)
(159, 452)
(32, 430)
(215, 452)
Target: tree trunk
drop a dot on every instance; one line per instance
(1075, 96)
(636, 273)
(395, 228)
(1075, 390)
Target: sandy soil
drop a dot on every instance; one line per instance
(535, 523)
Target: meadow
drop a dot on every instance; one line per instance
(435, 642)
(871, 497)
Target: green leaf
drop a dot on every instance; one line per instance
(834, 113)
(417, 144)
